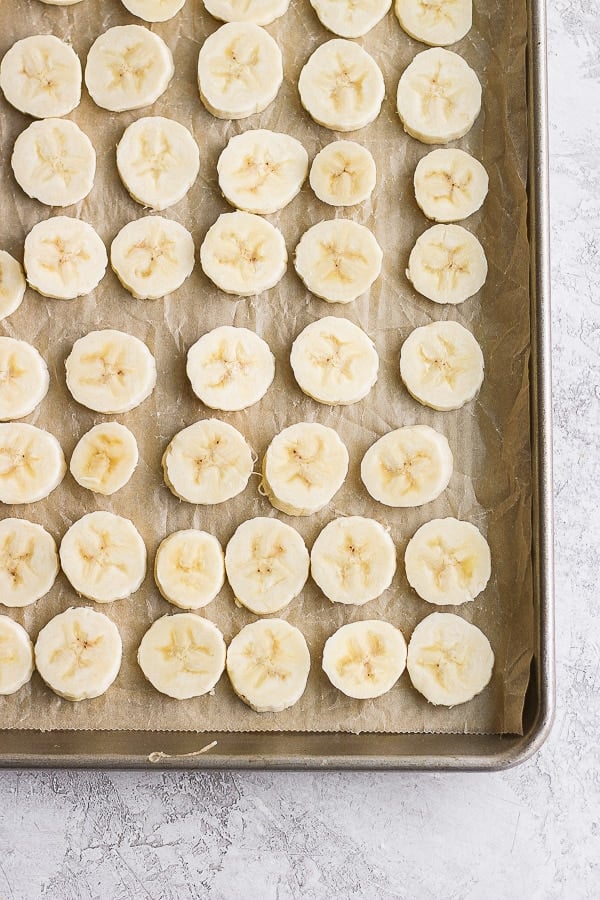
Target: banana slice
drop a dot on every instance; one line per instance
(341, 86)
(182, 656)
(208, 462)
(32, 463)
(353, 560)
(268, 664)
(407, 467)
(435, 22)
(439, 97)
(243, 254)
(105, 458)
(338, 260)
(152, 257)
(267, 565)
(110, 371)
(103, 556)
(158, 161)
(450, 185)
(24, 379)
(350, 18)
(16, 656)
(128, 67)
(28, 562)
(334, 361)
(240, 70)
(304, 467)
(41, 76)
(189, 568)
(12, 284)
(343, 174)
(261, 12)
(64, 258)
(262, 171)
(447, 264)
(78, 653)
(449, 660)
(365, 659)
(230, 368)
(153, 10)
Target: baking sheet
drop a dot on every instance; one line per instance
(491, 485)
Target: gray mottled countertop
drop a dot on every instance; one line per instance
(533, 832)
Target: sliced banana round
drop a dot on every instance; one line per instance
(230, 368)
(435, 22)
(407, 467)
(268, 664)
(338, 260)
(334, 361)
(447, 264)
(450, 185)
(78, 653)
(182, 656)
(353, 560)
(24, 379)
(243, 254)
(103, 556)
(152, 257)
(28, 562)
(16, 656)
(240, 70)
(207, 462)
(304, 467)
(105, 458)
(267, 565)
(343, 174)
(32, 463)
(158, 161)
(439, 97)
(350, 18)
(153, 10)
(12, 284)
(189, 568)
(365, 659)
(261, 12)
(110, 371)
(64, 258)
(341, 86)
(41, 76)
(449, 660)
(261, 171)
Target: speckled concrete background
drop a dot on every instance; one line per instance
(530, 833)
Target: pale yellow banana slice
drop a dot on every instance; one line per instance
(16, 656)
(439, 97)
(182, 656)
(261, 12)
(105, 458)
(24, 379)
(449, 660)
(64, 258)
(365, 659)
(448, 562)
(153, 10)
(152, 257)
(103, 556)
(78, 653)
(128, 67)
(268, 664)
(447, 264)
(353, 560)
(341, 86)
(208, 462)
(32, 463)
(189, 568)
(110, 371)
(350, 18)
(267, 565)
(407, 467)
(243, 254)
(450, 185)
(41, 76)
(28, 562)
(343, 174)
(435, 22)
(261, 171)
(338, 260)
(12, 284)
(442, 365)
(304, 467)
(230, 368)
(240, 70)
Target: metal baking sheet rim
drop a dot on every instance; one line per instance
(420, 752)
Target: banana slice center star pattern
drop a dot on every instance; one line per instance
(129, 67)
(76, 650)
(13, 562)
(183, 647)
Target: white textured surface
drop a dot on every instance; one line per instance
(533, 832)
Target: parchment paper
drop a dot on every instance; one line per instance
(490, 438)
